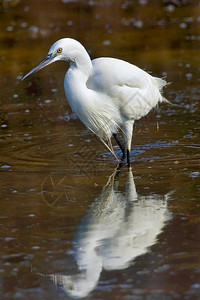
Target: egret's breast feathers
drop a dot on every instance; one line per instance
(94, 108)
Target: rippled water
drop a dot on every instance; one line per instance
(72, 225)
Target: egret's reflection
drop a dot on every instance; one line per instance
(117, 228)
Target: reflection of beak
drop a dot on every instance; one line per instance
(45, 62)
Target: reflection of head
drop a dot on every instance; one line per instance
(80, 285)
(117, 228)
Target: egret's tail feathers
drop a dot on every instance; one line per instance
(165, 100)
(161, 83)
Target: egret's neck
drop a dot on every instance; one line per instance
(82, 63)
(76, 78)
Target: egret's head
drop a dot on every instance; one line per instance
(64, 49)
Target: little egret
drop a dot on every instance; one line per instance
(107, 94)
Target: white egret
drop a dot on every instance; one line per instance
(107, 94)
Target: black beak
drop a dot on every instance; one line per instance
(45, 62)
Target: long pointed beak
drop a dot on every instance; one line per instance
(45, 62)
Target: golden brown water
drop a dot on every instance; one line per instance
(70, 225)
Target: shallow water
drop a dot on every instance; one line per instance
(71, 224)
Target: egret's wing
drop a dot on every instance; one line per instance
(133, 90)
(109, 72)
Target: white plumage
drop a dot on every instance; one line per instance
(107, 94)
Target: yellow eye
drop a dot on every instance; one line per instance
(59, 50)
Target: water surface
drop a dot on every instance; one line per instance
(71, 224)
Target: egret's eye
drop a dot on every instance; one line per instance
(59, 50)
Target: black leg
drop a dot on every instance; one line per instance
(128, 158)
(120, 144)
